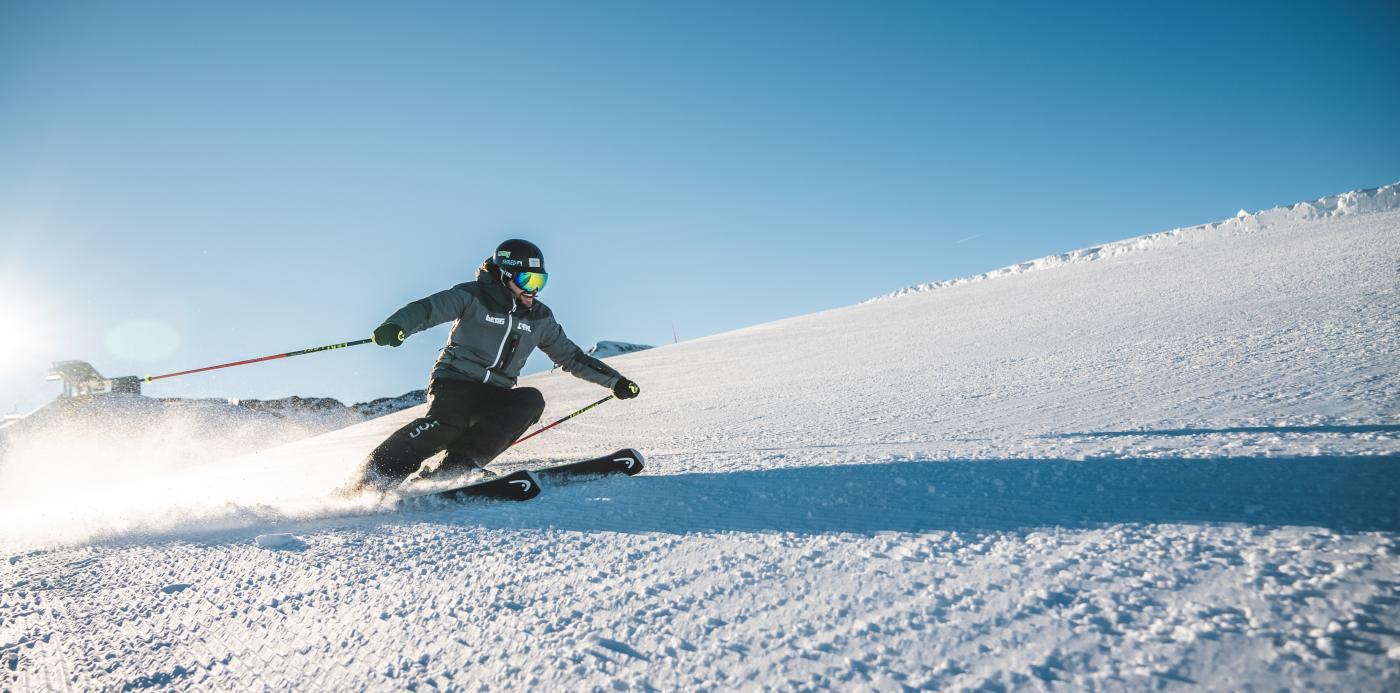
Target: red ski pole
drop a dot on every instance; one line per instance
(312, 350)
(556, 423)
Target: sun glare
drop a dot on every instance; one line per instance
(29, 332)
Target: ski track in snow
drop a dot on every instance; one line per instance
(1166, 468)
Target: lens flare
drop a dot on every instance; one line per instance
(143, 341)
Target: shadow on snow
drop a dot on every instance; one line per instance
(1344, 494)
(1175, 432)
(1340, 493)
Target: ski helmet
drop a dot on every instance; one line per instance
(522, 262)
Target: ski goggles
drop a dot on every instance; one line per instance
(530, 282)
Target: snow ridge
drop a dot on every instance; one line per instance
(1356, 202)
(606, 348)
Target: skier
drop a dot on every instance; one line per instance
(474, 409)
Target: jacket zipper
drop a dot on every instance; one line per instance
(510, 322)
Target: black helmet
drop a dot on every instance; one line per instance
(515, 256)
(522, 263)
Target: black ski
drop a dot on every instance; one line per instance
(524, 485)
(626, 461)
(519, 486)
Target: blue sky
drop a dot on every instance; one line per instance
(189, 183)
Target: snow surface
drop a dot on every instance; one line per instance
(1166, 467)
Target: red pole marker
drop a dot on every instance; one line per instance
(312, 350)
(556, 423)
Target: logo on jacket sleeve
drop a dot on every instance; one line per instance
(525, 326)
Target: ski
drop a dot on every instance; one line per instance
(518, 486)
(625, 461)
(525, 484)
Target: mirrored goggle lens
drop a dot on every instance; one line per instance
(530, 282)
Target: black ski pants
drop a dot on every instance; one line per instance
(473, 422)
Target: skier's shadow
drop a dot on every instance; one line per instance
(1266, 430)
(1346, 494)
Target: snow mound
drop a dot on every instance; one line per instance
(605, 349)
(387, 405)
(1370, 201)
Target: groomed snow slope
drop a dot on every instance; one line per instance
(1160, 468)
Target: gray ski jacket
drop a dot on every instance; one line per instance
(492, 334)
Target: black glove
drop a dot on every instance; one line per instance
(389, 334)
(626, 389)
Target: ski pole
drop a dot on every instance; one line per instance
(556, 423)
(312, 350)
